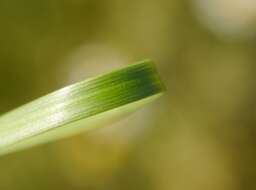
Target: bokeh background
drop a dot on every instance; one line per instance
(200, 135)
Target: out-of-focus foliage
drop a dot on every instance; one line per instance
(200, 135)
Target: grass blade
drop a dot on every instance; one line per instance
(79, 107)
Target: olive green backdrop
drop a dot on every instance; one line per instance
(200, 135)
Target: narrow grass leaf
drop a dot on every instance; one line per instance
(79, 107)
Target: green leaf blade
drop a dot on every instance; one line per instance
(47, 118)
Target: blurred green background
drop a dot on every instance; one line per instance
(200, 135)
